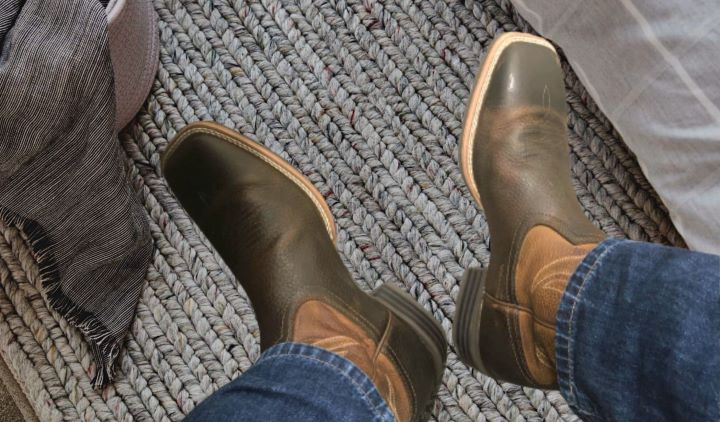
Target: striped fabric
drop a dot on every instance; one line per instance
(62, 179)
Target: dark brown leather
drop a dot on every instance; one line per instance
(272, 235)
(520, 162)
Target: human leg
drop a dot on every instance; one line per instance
(294, 381)
(629, 330)
(514, 159)
(638, 334)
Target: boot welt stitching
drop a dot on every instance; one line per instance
(325, 221)
(267, 160)
(514, 336)
(349, 312)
(543, 359)
(360, 320)
(518, 308)
(486, 71)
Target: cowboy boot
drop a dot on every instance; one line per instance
(515, 156)
(277, 234)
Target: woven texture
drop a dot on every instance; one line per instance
(366, 98)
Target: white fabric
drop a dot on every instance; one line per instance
(653, 69)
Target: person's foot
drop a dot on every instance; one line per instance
(514, 154)
(276, 233)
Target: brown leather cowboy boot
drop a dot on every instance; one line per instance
(514, 154)
(276, 233)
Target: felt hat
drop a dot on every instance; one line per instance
(134, 46)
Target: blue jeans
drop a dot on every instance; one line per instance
(639, 334)
(297, 382)
(638, 339)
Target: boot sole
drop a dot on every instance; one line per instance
(468, 319)
(409, 310)
(470, 322)
(261, 152)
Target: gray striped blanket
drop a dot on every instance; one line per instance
(62, 178)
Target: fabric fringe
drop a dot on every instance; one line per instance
(103, 345)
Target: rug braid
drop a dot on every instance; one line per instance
(366, 98)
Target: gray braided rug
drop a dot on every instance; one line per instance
(366, 97)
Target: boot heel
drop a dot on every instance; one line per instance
(406, 308)
(468, 317)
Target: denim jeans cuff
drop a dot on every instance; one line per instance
(566, 324)
(351, 373)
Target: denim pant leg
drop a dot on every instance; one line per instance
(296, 382)
(639, 334)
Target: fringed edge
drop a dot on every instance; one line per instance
(103, 346)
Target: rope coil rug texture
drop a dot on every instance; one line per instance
(366, 98)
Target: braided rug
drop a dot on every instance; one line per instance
(366, 98)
